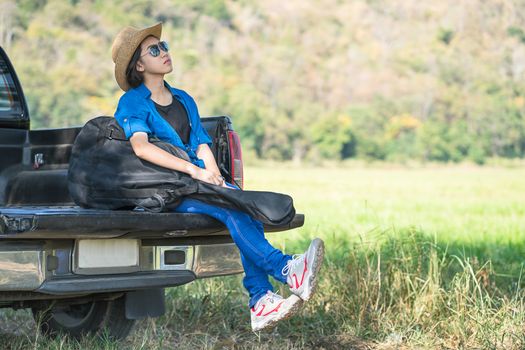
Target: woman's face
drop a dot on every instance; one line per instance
(153, 65)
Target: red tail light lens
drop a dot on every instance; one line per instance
(236, 158)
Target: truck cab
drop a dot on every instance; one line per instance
(89, 270)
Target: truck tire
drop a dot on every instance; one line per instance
(116, 325)
(95, 317)
(75, 319)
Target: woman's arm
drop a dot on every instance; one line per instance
(204, 152)
(153, 154)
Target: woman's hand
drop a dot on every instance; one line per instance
(204, 152)
(207, 176)
(147, 151)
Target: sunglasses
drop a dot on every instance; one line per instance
(154, 50)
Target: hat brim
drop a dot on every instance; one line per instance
(127, 50)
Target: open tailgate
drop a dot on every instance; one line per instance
(75, 222)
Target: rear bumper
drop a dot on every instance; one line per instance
(53, 267)
(115, 283)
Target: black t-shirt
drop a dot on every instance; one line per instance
(175, 114)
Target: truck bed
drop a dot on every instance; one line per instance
(38, 222)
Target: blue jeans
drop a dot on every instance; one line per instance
(259, 258)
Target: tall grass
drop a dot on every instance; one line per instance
(416, 258)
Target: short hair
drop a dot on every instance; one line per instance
(133, 76)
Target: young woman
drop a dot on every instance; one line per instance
(151, 107)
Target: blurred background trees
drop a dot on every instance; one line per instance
(302, 80)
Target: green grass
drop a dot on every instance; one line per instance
(416, 258)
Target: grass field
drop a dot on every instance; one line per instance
(416, 258)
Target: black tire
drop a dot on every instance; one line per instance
(116, 325)
(107, 318)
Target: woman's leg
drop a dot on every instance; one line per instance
(255, 281)
(259, 258)
(279, 258)
(301, 272)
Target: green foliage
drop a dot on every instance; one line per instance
(421, 81)
(445, 35)
(334, 137)
(517, 32)
(213, 8)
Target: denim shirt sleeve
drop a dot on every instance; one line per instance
(131, 117)
(202, 134)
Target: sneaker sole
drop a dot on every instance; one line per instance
(293, 310)
(316, 266)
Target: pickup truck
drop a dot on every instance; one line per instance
(88, 270)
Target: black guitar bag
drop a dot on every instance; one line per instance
(105, 173)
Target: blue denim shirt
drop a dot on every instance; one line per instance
(137, 113)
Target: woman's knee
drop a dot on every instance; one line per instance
(240, 217)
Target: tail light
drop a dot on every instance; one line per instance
(236, 159)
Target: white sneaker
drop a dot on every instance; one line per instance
(272, 308)
(302, 270)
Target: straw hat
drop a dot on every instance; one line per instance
(125, 44)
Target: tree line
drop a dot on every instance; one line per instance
(371, 79)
